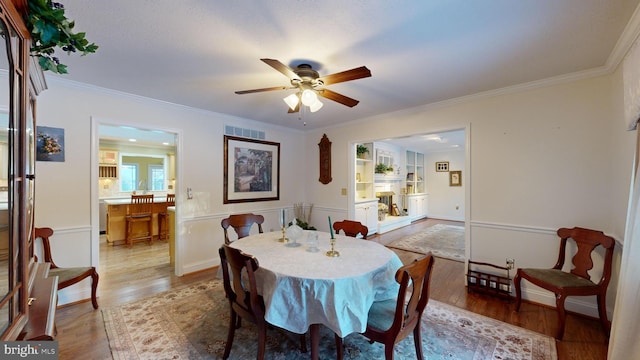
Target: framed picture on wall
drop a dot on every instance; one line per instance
(251, 170)
(442, 166)
(455, 178)
(49, 144)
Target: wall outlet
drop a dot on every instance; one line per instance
(510, 264)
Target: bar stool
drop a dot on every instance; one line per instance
(140, 211)
(163, 218)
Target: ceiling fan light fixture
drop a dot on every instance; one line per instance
(292, 101)
(308, 97)
(316, 106)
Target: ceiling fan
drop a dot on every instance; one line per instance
(310, 84)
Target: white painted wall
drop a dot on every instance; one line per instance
(445, 202)
(64, 190)
(538, 159)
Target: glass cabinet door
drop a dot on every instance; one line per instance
(4, 189)
(14, 258)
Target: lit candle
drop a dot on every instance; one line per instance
(331, 227)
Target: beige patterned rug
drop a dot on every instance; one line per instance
(191, 323)
(446, 241)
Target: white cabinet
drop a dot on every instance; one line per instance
(415, 172)
(108, 157)
(417, 206)
(108, 164)
(367, 214)
(171, 159)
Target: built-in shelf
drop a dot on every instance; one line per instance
(387, 177)
(108, 171)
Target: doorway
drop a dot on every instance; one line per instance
(417, 180)
(150, 158)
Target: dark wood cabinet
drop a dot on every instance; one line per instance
(21, 276)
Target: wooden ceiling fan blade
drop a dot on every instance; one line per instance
(332, 95)
(281, 68)
(353, 74)
(261, 90)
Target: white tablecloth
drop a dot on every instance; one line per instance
(301, 288)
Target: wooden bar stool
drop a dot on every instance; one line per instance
(163, 218)
(140, 211)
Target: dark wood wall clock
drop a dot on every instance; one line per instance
(325, 160)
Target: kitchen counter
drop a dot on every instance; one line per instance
(172, 235)
(117, 210)
(120, 201)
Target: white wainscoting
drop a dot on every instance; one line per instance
(66, 245)
(532, 247)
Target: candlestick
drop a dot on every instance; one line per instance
(283, 239)
(332, 252)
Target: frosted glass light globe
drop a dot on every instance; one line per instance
(309, 97)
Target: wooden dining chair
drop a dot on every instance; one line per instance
(351, 228)
(67, 276)
(238, 274)
(576, 282)
(390, 321)
(140, 211)
(242, 224)
(163, 217)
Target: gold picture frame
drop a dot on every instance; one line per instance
(442, 166)
(251, 170)
(455, 178)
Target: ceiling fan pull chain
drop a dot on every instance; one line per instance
(300, 115)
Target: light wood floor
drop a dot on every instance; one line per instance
(141, 271)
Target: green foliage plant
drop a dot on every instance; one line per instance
(50, 29)
(361, 150)
(383, 168)
(303, 225)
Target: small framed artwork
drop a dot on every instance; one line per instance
(442, 166)
(455, 178)
(49, 144)
(251, 170)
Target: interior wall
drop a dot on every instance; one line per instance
(539, 159)
(445, 202)
(64, 189)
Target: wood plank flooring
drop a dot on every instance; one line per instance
(128, 274)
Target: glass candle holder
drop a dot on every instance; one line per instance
(312, 241)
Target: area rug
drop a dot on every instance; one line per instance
(191, 323)
(446, 241)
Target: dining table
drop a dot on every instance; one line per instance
(304, 289)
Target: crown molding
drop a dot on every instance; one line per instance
(625, 41)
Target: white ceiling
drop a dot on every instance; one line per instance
(198, 52)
